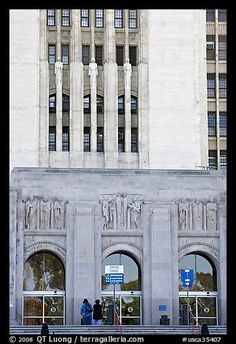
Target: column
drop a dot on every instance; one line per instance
(76, 94)
(59, 77)
(43, 91)
(110, 94)
(93, 90)
(127, 88)
(143, 143)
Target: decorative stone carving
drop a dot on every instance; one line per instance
(93, 72)
(135, 210)
(183, 215)
(121, 210)
(211, 210)
(45, 213)
(58, 71)
(59, 213)
(197, 215)
(31, 213)
(127, 73)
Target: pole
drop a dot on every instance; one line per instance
(114, 299)
(187, 306)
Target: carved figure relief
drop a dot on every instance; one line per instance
(45, 213)
(127, 73)
(93, 72)
(58, 71)
(121, 211)
(183, 215)
(197, 214)
(211, 210)
(31, 213)
(59, 213)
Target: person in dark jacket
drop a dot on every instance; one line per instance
(204, 329)
(97, 313)
(44, 329)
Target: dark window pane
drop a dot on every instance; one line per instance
(133, 105)
(121, 139)
(65, 53)
(51, 17)
(52, 139)
(134, 140)
(99, 55)
(210, 15)
(223, 124)
(65, 17)
(65, 103)
(100, 104)
(211, 123)
(223, 159)
(133, 55)
(65, 139)
(222, 15)
(84, 18)
(100, 139)
(121, 105)
(85, 54)
(120, 55)
(86, 139)
(87, 104)
(222, 85)
(132, 19)
(210, 47)
(52, 53)
(52, 103)
(211, 85)
(222, 47)
(212, 159)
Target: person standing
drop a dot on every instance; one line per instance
(97, 313)
(86, 311)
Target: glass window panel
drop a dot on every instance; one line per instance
(53, 306)
(33, 306)
(86, 139)
(133, 55)
(99, 18)
(210, 15)
(65, 139)
(120, 55)
(52, 54)
(65, 17)
(85, 18)
(222, 47)
(118, 18)
(52, 103)
(51, 17)
(65, 53)
(132, 19)
(99, 55)
(99, 104)
(52, 139)
(212, 159)
(121, 105)
(100, 139)
(85, 54)
(211, 85)
(222, 85)
(87, 104)
(222, 15)
(133, 105)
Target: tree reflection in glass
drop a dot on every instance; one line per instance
(44, 271)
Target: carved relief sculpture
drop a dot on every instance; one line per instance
(127, 73)
(121, 209)
(31, 213)
(58, 71)
(183, 215)
(93, 72)
(197, 214)
(59, 213)
(135, 210)
(211, 210)
(45, 213)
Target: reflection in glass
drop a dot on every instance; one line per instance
(132, 279)
(33, 306)
(204, 272)
(43, 271)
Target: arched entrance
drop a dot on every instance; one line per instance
(202, 295)
(43, 290)
(126, 296)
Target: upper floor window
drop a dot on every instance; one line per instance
(65, 17)
(51, 17)
(210, 47)
(133, 55)
(120, 55)
(222, 85)
(86, 139)
(84, 18)
(65, 53)
(222, 47)
(121, 105)
(211, 85)
(52, 103)
(65, 103)
(118, 20)
(134, 105)
(210, 15)
(132, 19)
(52, 138)
(65, 139)
(134, 140)
(223, 159)
(212, 159)
(100, 137)
(85, 54)
(211, 123)
(121, 139)
(52, 53)
(100, 106)
(222, 15)
(87, 104)
(99, 55)
(223, 123)
(99, 18)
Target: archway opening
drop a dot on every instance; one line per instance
(43, 290)
(125, 298)
(198, 302)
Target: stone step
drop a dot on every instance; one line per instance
(111, 329)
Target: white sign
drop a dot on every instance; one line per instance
(114, 269)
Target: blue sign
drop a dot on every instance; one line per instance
(162, 307)
(114, 278)
(187, 277)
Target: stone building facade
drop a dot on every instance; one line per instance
(109, 164)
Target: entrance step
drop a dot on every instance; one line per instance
(114, 330)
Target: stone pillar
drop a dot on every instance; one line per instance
(12, 258)
(59, 77)
(143, 143)
(110, 94)
(161, 263)
(84, 265)
(43, 92)
(76, 94)
(93, 99)
(127, 87)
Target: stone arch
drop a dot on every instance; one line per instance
(208, 250)
(49, 246)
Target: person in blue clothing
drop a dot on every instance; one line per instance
(86, 310)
